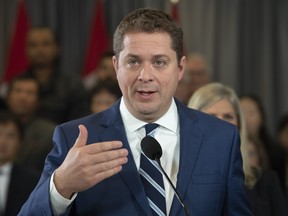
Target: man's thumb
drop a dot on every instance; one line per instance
(82, 137)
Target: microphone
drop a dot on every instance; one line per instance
(152, 149)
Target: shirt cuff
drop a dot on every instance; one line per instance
(58, 202)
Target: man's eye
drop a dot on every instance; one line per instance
(132, 62)
(159, 63)
(229, 117)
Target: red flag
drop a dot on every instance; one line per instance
(17, 60)
(174, 10)
(99, 40)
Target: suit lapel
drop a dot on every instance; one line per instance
(129, 174)
(190, 142)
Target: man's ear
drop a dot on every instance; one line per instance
(115, 64)
(181, 67)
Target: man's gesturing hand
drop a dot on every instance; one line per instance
(87, 165)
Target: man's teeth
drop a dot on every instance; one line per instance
(145, 93)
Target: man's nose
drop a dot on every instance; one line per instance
(146, 73)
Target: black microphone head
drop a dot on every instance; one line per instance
(151, 147)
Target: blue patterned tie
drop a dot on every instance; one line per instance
(152, 179)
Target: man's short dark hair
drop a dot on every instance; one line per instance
(7, 117)
(149, 20)
(24, 77)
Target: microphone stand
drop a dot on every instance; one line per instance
(174, 189)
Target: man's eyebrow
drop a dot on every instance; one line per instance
(161, 56)
(132, 56)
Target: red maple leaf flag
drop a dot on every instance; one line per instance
(174, 9)
(99, 40)
(17, 61)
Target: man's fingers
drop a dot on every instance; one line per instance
(82, 137)
(108, 173)
(108, 165)
(103, 147)
(108, 169)
(108, 156)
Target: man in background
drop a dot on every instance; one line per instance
(104, 95)
(16, 181)
(62, 95)
(197, 74)
(23, 100)
(104, 71)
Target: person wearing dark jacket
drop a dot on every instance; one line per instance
(62, 95)
(16, 181)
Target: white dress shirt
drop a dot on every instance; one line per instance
(167, 134)
(5, 175)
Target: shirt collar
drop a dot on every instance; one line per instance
(165, 121)
(6, 168)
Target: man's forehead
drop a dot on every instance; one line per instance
(139, 38)
(152, 44)
(159, 55)
(40, 35)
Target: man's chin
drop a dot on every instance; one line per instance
(148, 112)
(40, 64)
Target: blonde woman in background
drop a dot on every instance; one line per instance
(263, 186)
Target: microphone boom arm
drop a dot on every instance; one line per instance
(173, 187)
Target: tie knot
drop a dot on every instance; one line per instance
(150, 127)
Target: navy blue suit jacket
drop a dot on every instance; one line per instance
(210, 177)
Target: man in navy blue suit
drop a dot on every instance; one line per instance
(93, 168)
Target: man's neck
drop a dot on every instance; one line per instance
(43, 75)
(25, 119)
